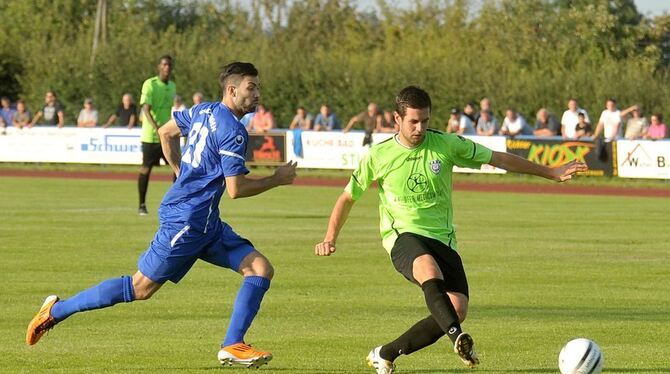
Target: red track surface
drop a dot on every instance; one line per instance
(564, 188)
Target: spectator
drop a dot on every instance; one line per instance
(7, 112)
(569, 119)
(485, 105)
(469, 111)
(657, 129)
(198, 98)
(514, 124)
(546, 124)
(88, 116)
(637, 124)
(583, 128)
(177, 105)
(387, 124)
(262, 121)
(487, 125)
(460, 123)
(22, 115)
(466, 121)
(609, 123)
(454, 121)
(302, 120)
(126, 113)
(52, 112)
(326, 120)
(158, 93)
(371, 120)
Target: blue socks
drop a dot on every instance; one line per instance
(107, 293)
(246, 306)
(116, 290)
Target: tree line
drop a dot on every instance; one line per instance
(523, 54)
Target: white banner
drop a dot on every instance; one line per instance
(71, 144)
(336, 150)
(643, 158)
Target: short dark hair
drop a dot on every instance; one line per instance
(165, 57)
(581, 114)
(233, 69)
(412, 97)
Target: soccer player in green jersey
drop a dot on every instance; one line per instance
(158, 93)
(413, 170)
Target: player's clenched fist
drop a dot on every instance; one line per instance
(324, 248)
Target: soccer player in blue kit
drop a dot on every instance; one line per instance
(190, 227)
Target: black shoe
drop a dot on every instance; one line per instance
(142, 210)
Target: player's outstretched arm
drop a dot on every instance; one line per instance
(335, 223)
(169, 136)
(240, 186)
(517, 164)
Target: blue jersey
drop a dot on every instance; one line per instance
(217, 144)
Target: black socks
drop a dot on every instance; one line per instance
(441, 308)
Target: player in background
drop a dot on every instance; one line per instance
(413, 170)
(190, 227)
(158, 93)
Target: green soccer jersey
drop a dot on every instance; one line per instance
(159, 95)
(415, 184)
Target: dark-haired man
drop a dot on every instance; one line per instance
(190, 227)
(158, 93)
(413, 170)
(52, 113)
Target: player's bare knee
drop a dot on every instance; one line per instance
(255, 264)
(263, 269)
(425, 268)
(143, 287)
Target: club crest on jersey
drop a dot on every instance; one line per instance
(436, 166)
(239, 139)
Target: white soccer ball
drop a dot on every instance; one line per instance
(581, 356)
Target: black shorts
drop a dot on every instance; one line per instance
(409, 246)
(152, 154)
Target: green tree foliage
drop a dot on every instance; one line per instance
(524, 54)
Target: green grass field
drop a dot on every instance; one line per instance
(543, 269)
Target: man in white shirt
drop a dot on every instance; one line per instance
(514, 124)
(570, 119)
(609, 123)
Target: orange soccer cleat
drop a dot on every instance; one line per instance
(243, 354)
(42, 322)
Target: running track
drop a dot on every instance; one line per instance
(563, 188)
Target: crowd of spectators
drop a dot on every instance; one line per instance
(575, 123)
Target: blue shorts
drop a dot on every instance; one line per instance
(176, 247)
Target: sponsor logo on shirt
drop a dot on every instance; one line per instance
(417, 183)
